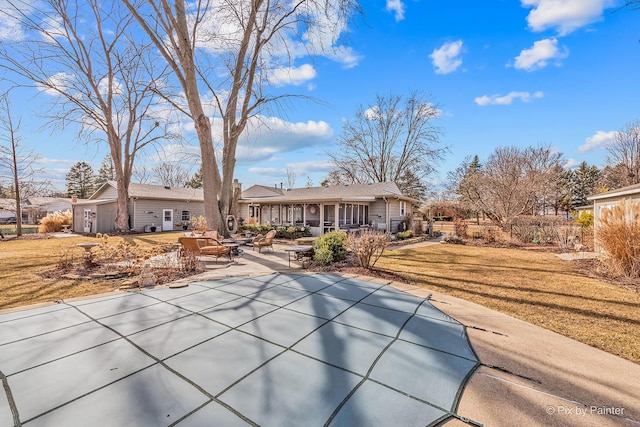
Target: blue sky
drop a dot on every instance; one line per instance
(503, 72)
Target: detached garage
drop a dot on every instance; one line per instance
(151, 208)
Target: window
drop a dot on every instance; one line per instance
(403, 208)
(186, 216)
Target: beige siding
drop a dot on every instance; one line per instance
(147, 212)
(105, 218)
(378, 212)
(109, 192)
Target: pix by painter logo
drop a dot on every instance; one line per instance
(583, 410)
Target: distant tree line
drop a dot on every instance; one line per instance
(517, 181)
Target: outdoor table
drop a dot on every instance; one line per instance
(231, 244)
(242, 240)
(298, 249)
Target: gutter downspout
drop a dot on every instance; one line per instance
(387, 219)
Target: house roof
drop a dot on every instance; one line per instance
(47, 203)
(624, 191)
(148, 191)
(348, 193)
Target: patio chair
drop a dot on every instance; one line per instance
(263, 242)
(204, 246)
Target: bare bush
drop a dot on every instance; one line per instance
(461, 228)
(489, 234)
(188, 261)
(537, 229)
(368, 247)
(568, 236)
(619, 237)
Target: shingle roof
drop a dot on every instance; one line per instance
(335, 192)
(147, 191)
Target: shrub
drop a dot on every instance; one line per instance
(402, 235)
(460, 227)
(329, 248)
(449, 238)
(567, 236)
(53, 222)
(585, 219)
(536, 229)
(282, 231)
(619, 236)
(489, 235)
(199, 223)
(369, 247)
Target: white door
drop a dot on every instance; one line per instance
(167, 219)
(87, 221)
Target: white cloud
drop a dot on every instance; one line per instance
(269, 136)
(539, 55)
(311, 166)
(571, 164)
(292, 76)
(599, 140)
(397, 7)
(271, 172)
(59, 80)
(507, 99)
(446, 59)
(221, 32)
(565, 16)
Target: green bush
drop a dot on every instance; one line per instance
(402, 235)
(282, 231)
(329, 248)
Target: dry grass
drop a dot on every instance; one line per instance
(22, 262)
(533, 286)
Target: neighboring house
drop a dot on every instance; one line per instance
(33, 208)
(606, 200)
(324, 209)
(149, 206)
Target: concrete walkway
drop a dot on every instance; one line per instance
(242, 345)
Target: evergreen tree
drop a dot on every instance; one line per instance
(196, 180)
(81, 180)
(586, 180)
(107, 171)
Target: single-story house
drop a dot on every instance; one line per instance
(381, 205)
(324, 209)
(156, 207)
(602, 201)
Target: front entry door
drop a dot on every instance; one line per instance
(167, 219)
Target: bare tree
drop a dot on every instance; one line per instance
(229, 51)
(291, 178)
(512, 182)
(625, 151)
(171, 174)
(17, 163)
(100, 74)
(393, 140)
